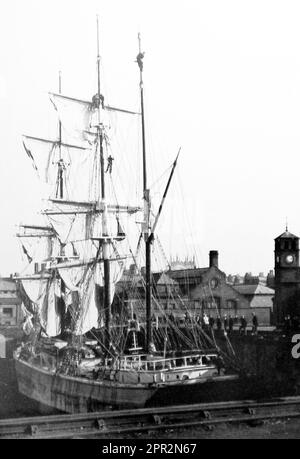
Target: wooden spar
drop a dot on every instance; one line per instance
(122, 110)
(88, 103)
(80, 101)
(164, 196)
(35, 227)
(95, 206)
(83, 263)
(70, 212)
(36, 235)
(89, 204)
(105, 243)
(65, 266)
(40, 231)
(37, 277)
(146, 208)
(55, 142)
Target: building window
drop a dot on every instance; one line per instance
(214, 283)
(212, 303)
(8, 311)
(231, 304)
(197, 305)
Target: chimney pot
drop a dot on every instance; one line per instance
(213, 258)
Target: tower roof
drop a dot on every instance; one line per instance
(287, 235)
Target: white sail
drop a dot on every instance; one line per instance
(46, 155)
(35, 290)
(88, 315)
(43, 155)
(75, 115)
(50, 317)
(72, 277)
(73, 226)
(116, 271)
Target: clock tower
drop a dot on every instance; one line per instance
(287, 277)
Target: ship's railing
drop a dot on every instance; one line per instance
(138, 363)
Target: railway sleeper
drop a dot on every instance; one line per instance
(32, 429)
(205, 414)
(157, 419)
(100, 424)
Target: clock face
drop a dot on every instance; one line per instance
(289, 259)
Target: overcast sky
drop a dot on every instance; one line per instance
(222, 80)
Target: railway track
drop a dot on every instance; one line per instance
(105, 424)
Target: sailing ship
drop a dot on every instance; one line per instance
(79, 356)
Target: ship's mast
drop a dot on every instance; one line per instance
(105, 243)
(146, 196)
(60, 178)
(60, 194)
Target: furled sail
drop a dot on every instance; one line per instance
(91, 313)
(50, 316)
(35, 290)
(70, 223)
(75, 161)
(72, 277)
(88, 314)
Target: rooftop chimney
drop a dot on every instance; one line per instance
(213, 258)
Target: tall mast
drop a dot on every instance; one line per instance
(105, 244)
(60, 164)
(99, 100)
(146, 197)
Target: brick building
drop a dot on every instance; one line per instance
(198, 291)
(11, 316)
(10, 303)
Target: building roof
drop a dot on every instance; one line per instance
(186, 273)
(7, 284)
(287, 235)
(10, 301)
(259, 301)
(133, 278)
(253, 289)
(163, 279)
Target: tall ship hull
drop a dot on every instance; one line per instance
(76, 395)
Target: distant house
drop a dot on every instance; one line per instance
(260, 298)
(11, 316)
(10, 304)
(205, 290)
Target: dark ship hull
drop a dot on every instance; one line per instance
(80, 395)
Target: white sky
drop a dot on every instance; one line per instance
(222, 80)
